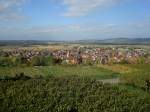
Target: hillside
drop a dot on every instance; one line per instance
(117, 41)
(88, 41)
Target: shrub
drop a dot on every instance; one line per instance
(6, 62)
(12, 61)
(57, 61)
(42, 61)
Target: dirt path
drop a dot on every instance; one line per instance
(110, 81)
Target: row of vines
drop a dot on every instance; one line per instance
(68, 94)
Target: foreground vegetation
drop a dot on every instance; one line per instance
(68, 94)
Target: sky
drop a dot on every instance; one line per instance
(74, 19)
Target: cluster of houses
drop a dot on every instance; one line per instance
(83, 55)
(27, 54)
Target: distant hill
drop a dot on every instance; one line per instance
(91, 41)
(128, 40)
(118, 41)
(21, 42)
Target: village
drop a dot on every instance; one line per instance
(83, 55)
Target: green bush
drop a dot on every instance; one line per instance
(57, 61)
(124, 61)
(16, 61)
(42, 61)
(10, 61)
(87, 62)
(6, 61)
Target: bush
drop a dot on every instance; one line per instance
(6, 62)
(124, 61)
(16, 61)
(10, 61)
(87, 62)
(57, 61)
(42, 61)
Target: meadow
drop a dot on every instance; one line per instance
(133, 75)
(59, 71)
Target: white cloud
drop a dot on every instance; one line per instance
(10, 10)
(83, 7)
(77, 31)
(54, 29)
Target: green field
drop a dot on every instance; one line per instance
(59, 71)
(131, 75)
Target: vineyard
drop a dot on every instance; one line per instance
(68, 94)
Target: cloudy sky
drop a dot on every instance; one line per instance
(74, 19)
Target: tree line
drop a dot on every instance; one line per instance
(35, 61)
